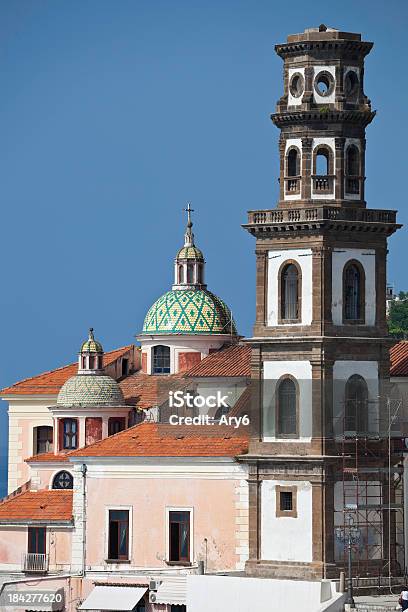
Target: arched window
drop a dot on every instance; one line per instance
(92, 362)
(181, 274)
(83, 358)
(286, 409)
(352, 161)
(322, 162)
(161, 359)
(290, 292)
(353, 292)
(63, 480)
(293, 163)
(200, 279)
(100, 362)
(356, 405)
(190, 273)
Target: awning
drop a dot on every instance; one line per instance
(113, 598)
(172, 591)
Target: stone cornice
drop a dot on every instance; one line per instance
(316, 116)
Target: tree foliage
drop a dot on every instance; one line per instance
(398, 316)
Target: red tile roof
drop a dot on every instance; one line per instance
(144, 390)
(48, 458)
(49, 383)
(45, 505)
(163, 440)
(399, 359)
(232, 361)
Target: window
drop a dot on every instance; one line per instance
(115, 425)
(36, 541)
(353, 292)
(200, 279)
(63, 480)
(190, 274)
(118, 542)
(161, 359)
(92, 362)
(322, 162)
(178, 608)
(356, 405)
(293, 163)
(100, 362)
(42, 439)
(125, 367)
(287, 403)
(83, 359)
(181, 274)
(352, 161)
(290, 293)
(69, 434)
(179, 536)
(286, 501)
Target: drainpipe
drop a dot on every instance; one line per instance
(83, 471)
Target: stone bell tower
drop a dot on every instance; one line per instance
(320, 357)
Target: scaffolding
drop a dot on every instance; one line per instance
(369, 488)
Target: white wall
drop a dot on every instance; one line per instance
(292, 101)
(302, 372)
(286, 538)
(303, 258)
(366, 257)
(243, 594)
(324, 99)
(342, 371)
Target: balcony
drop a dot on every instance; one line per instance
(292, 185)
(323, 184)
(35, 563)
(320, 213)
(353, 185)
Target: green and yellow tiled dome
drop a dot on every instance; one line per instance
(190, 252)
(189, 311)
(91, 345)
(85, 390)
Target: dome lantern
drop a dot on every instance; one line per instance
(90, 359)
(189, 263)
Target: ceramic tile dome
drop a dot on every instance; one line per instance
(83, 390)
(91, 345)
(190, 252)
(186, 311)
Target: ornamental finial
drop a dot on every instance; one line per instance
(189, 236)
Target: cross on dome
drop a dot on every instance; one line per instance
(189, 236)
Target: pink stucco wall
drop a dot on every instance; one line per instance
(213, 503)
(13, 544)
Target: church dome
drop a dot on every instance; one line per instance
(83, 390)
(190, 252)
(189, 311)
(91, 345)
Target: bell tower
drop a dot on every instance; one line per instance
(320, 351)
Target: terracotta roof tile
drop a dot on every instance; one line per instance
(49, 383)
(399, 359)
(48, 458)
(232, 361)
(45, 505)
(144, 390)
(163, 440)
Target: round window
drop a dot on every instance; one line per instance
(324, 84)
(351, 83)
(297, 85)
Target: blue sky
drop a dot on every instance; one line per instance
(114, 114)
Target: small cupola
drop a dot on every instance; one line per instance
(189, 263)
(90, 359)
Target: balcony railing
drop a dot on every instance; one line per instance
(292, 185)
(35, 563)
(353, 185)
(320, 213)
(323, 184)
